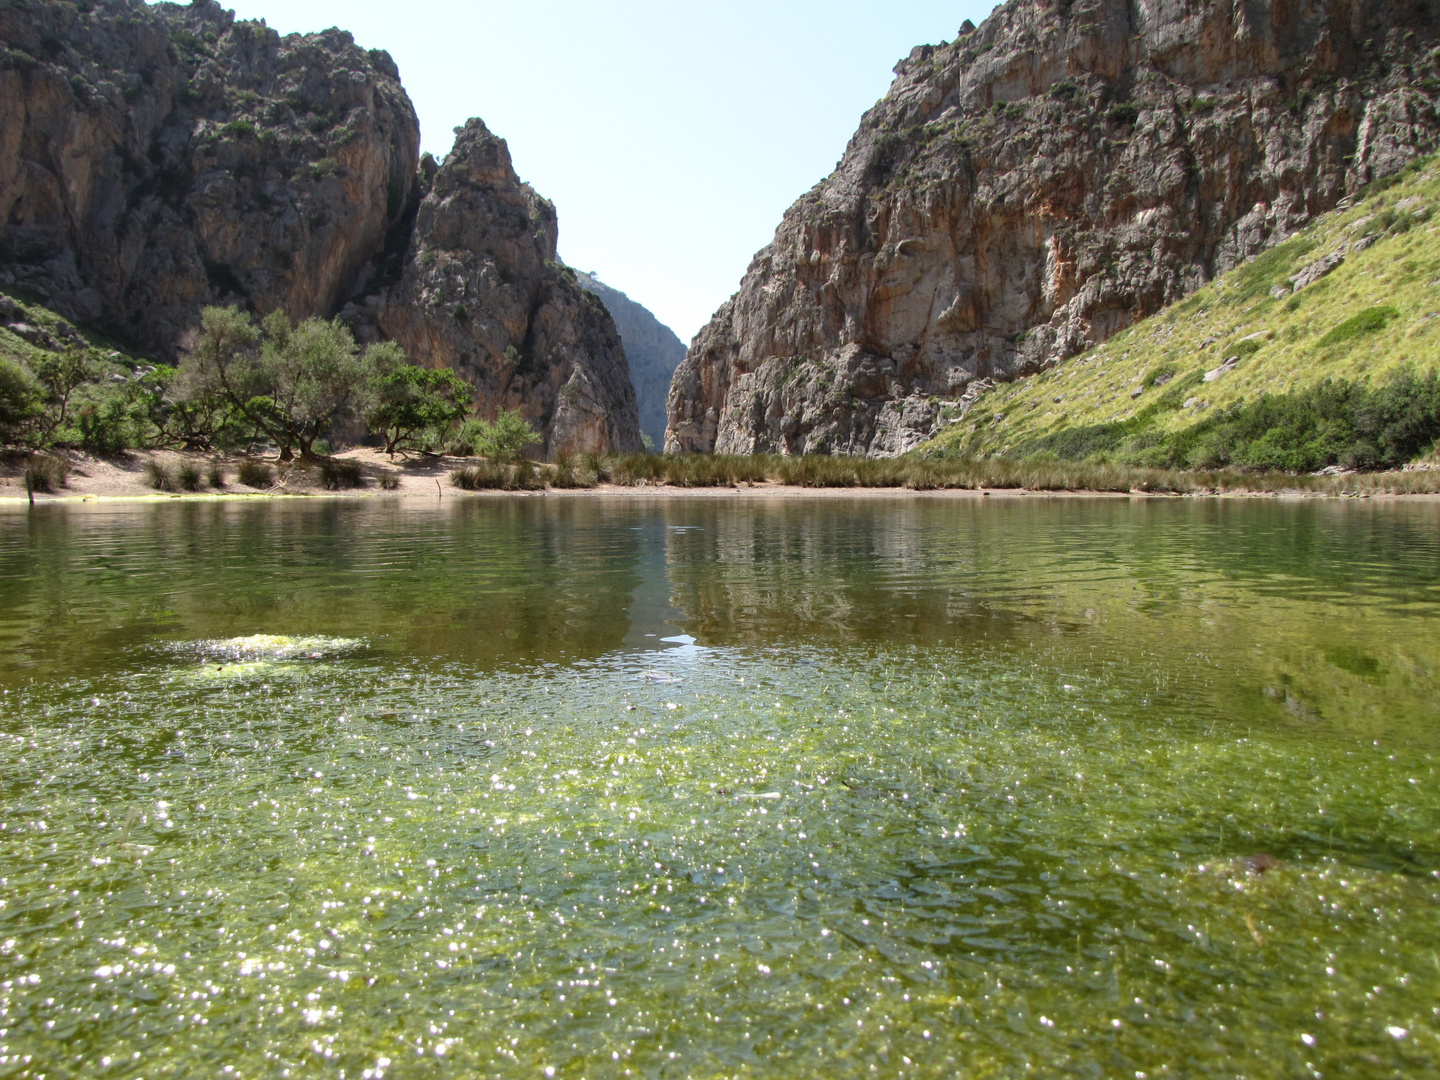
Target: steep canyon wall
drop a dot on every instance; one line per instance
(1044, 180)
(155, 159)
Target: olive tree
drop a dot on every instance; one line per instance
(291, 382)
(411, 407)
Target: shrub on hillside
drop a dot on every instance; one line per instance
(1367, 322)
(1335, 423)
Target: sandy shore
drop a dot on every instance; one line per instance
(93, 479)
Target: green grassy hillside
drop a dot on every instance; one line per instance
(63, 386)
(1337, 371)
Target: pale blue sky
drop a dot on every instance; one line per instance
(671, 136)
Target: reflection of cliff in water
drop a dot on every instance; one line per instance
(1298, 613)
(830, 571)
(492, 581)
(1264, 613)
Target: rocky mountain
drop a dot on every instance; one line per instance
(1320, 353)
(481, 291)
(1037, 185)
(651, 347)
(158, 158)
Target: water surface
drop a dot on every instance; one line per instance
(912, 786)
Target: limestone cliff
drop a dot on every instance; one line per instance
(482, 291)
(651, 347)
(155, 159)
(1038, 184)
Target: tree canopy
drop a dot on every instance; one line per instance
(291, 382)
(411, 407)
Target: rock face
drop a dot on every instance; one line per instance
(156, 159)
(651, 347)
(482, 292)
(1027, 190)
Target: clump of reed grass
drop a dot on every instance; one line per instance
(479, 477)
(338, 475)
(488, 476)
(572, 472)
(523, 476)
(632, 469)
(159, 476)
(389, 481)
(215, 475)
(255, 474)
(190, 477)
(46, 474)
(1040, 473)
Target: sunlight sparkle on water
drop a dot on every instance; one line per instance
(471, 827)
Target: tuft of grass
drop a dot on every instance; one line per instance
(629, 470)
(45, 474)
(566, 473)
(1367, 322)
(159, 476)
(338, 475)
(215, 475)
(189, 477)
(521, 476)
(255, 474)
(389, 481)
(479, 478)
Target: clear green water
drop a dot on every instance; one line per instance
(941, 788)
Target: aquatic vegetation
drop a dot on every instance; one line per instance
(1046, 785)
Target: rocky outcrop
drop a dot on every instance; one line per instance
(651, 347)
(1038, 184)
(482, 292)
(156, 159)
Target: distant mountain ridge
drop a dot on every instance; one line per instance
(653, 349)
(1035, 186)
